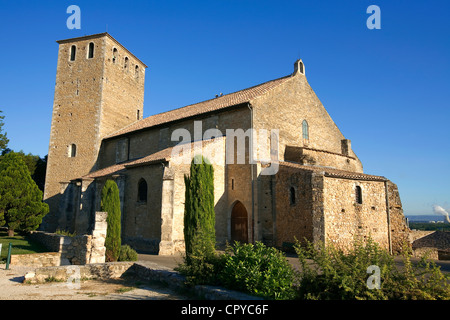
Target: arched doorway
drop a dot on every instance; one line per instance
(239, 223)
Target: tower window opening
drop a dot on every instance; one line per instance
(114, 55)
(358, 195)
(136, 72)
(138, 115)
(73, 52)
(72, 150)
(91, 50)
(125, 64)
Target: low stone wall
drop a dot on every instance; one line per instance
(100, 271)
(429, 253)
(77, 250)
(37, 260)
(111, 270)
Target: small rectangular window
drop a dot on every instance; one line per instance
(91, 50)
(73, 52)
(358, 195)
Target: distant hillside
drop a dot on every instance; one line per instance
(425, 218)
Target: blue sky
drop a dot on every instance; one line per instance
(387, 90)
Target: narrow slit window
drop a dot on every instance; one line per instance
(91, 50)
(142, 190)
(125, 64)
(73, 52)
(292, 195)
(136, 72)
(358, 195)
(138, 114)
(305, 130)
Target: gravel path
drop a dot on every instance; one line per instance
(12, 288)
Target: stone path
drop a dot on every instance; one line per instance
(12, 288)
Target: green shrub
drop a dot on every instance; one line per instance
(127, 253)
(258, 270)
(202, 269)
(335, 275)
(110, 203)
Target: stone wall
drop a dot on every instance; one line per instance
(286, 106)
(98, 271)
(399, 230)
(346, 220)
(37, 260)
(293, 220)
(77, 250)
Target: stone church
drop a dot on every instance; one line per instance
(317, 190)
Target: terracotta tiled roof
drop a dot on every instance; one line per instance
(160, 156)
(332, 172)
(218, 103)
(105, 171)
(163, 155)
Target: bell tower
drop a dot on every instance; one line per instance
(99, 89)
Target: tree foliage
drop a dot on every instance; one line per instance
(21, 206)
(35, 164)
(199, 216)
(3, 139)
(110, 203)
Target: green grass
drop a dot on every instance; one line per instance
(20, 245)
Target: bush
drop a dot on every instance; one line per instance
(202, 269)
(127, 253)
(335, 275)
(258, 270)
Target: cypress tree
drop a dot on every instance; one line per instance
(21, 206)
(199, 216)
(110, 203)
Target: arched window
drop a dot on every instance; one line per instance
(73, 52)
(125, 64)
(142, 190)
(301, 67)
(305, 130)
(358, 195)
(136, 72)
(292, 195)
(91, 50)
(114, 55)
(72, 152)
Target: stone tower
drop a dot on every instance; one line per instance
(99, 89)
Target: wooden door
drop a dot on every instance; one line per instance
(239, 223)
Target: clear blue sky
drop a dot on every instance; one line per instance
(387, 90)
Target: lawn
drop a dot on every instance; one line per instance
(20, 245)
